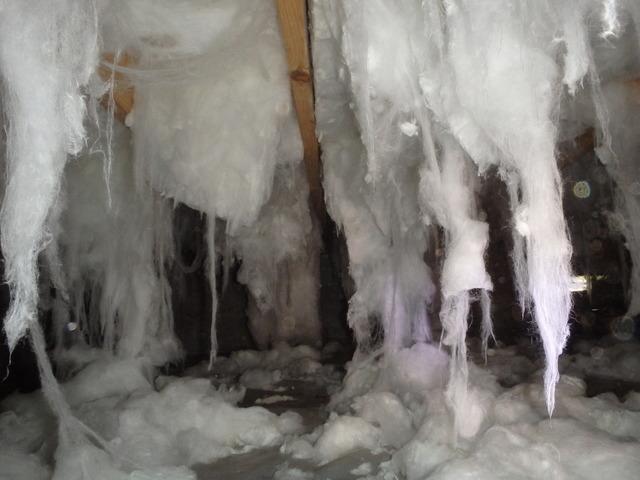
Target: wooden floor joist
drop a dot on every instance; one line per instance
(295, 34)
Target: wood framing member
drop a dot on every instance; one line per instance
(123, 92)
(295, 34)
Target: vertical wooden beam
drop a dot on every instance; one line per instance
(123, 93)
(295, 34)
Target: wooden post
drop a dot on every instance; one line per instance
(295, 34)
(123, 92)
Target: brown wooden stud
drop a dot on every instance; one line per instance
(295, 34)
(123, 92)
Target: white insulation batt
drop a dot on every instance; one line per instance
(213, 123)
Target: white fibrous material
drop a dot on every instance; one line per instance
(213, 120)
(45, 60)
(511, 124)
(433, 89)
(519, 231)
(280, 264)
(189, 422)
(114, 245)
(212, 264)
(151, 432)
(345, 434)
(371, 183)
(280, 253)
(384, 79)
(213, 115)
(610, 20)
(447, 192)
(212, 95)
(391, 410)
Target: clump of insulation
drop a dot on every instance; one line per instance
(438, 87)
(45, 61)
(371, 184)
(113, 250)
(48, 52)
(213, 122)
(213, 115)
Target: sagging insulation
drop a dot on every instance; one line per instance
(213, 125)
(415, 100)
(45, 61)
(448, 88)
